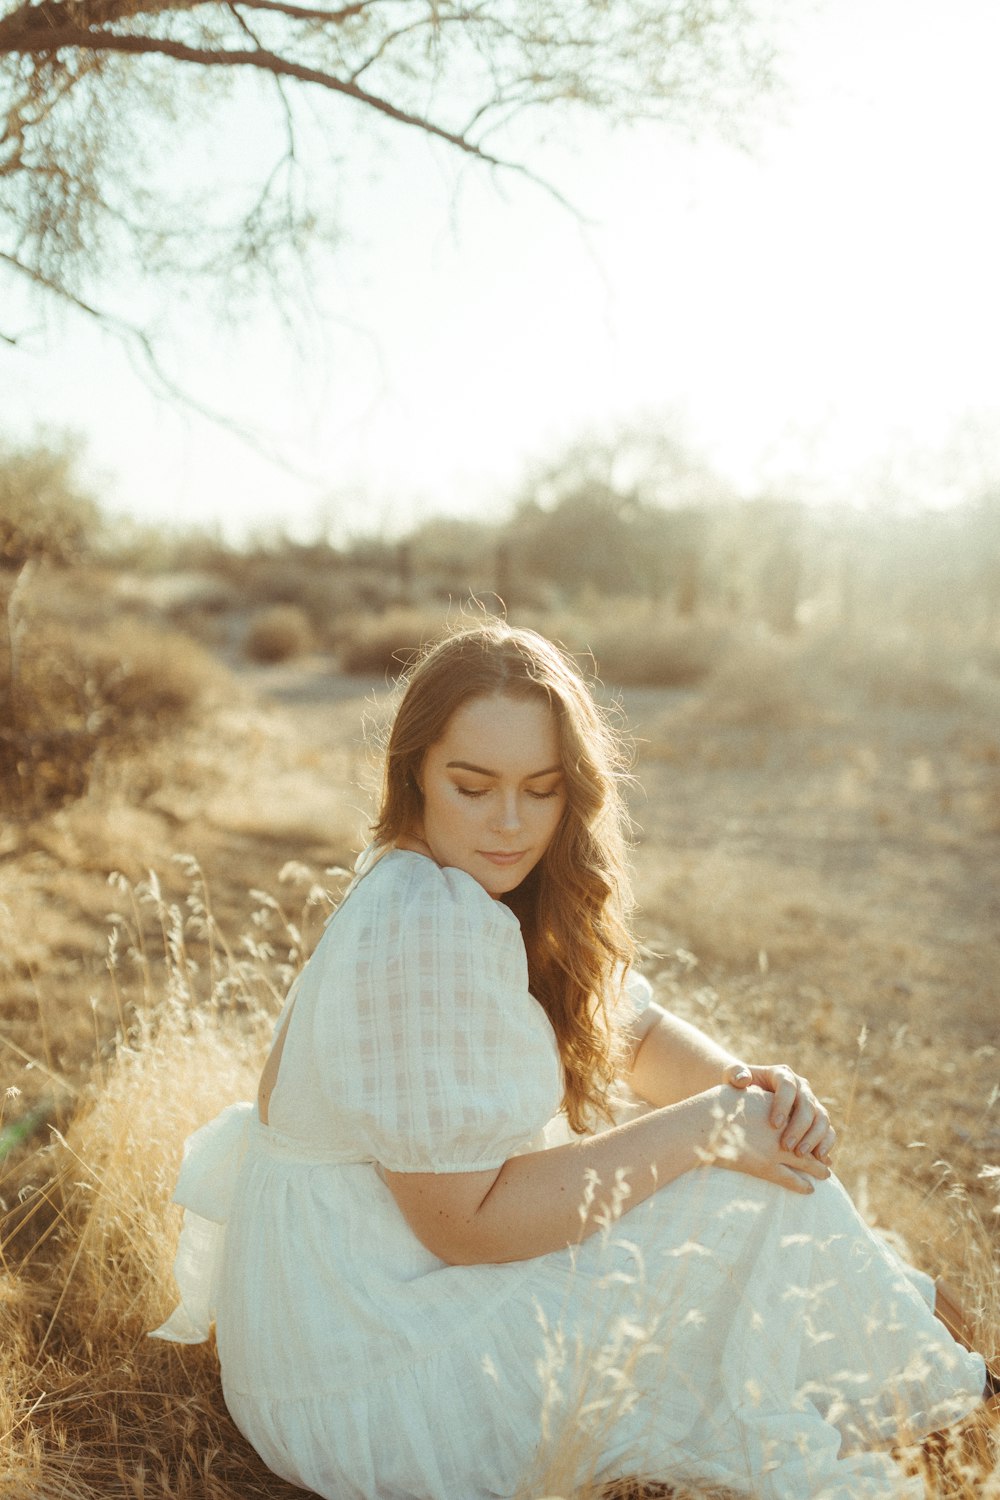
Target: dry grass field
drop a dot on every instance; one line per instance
(818, 870)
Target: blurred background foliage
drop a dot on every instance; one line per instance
(627, 552)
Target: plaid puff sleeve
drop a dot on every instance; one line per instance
(435, 1055)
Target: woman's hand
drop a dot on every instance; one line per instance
(743, 1139)
(795, 1111)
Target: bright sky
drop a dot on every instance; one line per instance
(810, 314)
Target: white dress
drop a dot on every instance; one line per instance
(725, 1331)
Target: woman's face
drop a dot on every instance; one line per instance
(493, 790)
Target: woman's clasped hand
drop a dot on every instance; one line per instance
(748, 1138)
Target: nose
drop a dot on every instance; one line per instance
(508, 813)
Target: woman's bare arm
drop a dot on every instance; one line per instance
(546, 1200)
(674, 1060)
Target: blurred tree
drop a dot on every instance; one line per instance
(588, 539)
(98, 95)
(452, 557)
(619, 516)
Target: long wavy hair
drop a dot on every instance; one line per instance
(575, 904)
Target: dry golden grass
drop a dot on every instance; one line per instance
(815, 864)
(93, 1408)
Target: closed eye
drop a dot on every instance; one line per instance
(482, 791)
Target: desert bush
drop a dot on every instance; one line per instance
(764, 682)
(645, 644)
(329, 590)
(43, 510)
(387, 643)
(69, 695)
(942, 668)
(621, 641)
(278, 634)
(910, 670)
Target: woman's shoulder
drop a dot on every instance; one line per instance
(408, 911)
(414, 885)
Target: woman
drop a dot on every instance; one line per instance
(497, 1222)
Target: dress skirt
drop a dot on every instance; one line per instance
(726, 1332)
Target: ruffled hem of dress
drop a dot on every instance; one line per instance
(505, 1425)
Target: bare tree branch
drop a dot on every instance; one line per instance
(304, 13)
(69, 35)
(95, 102)
(52, 286)
(392, 37)
(141, 345)
(279, 83)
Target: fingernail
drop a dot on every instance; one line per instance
(779, 1120)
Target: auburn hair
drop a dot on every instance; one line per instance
(575, 904)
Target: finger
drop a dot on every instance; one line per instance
(739, 1075)
(809, 1119)
(798, 1182)
(825, 1148)
(802, 1119)
(807, 1115)
(786, 1087)
(806, 1164)
(816, 1132)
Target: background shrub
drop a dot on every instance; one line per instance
(387, 643)
(640, 643)
(43, 509)
(69, 694)
(278, 634)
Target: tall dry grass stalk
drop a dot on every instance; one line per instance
(90, 1407)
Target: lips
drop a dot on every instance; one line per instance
(498, 857)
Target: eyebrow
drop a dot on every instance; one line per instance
(464, 765)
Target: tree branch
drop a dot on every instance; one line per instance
(40, 279)
(70, 36)
(29, 22)
(390, 39)
(140, 343)
(279, 84)
(304, 13)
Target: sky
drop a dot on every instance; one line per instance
(818, 314)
